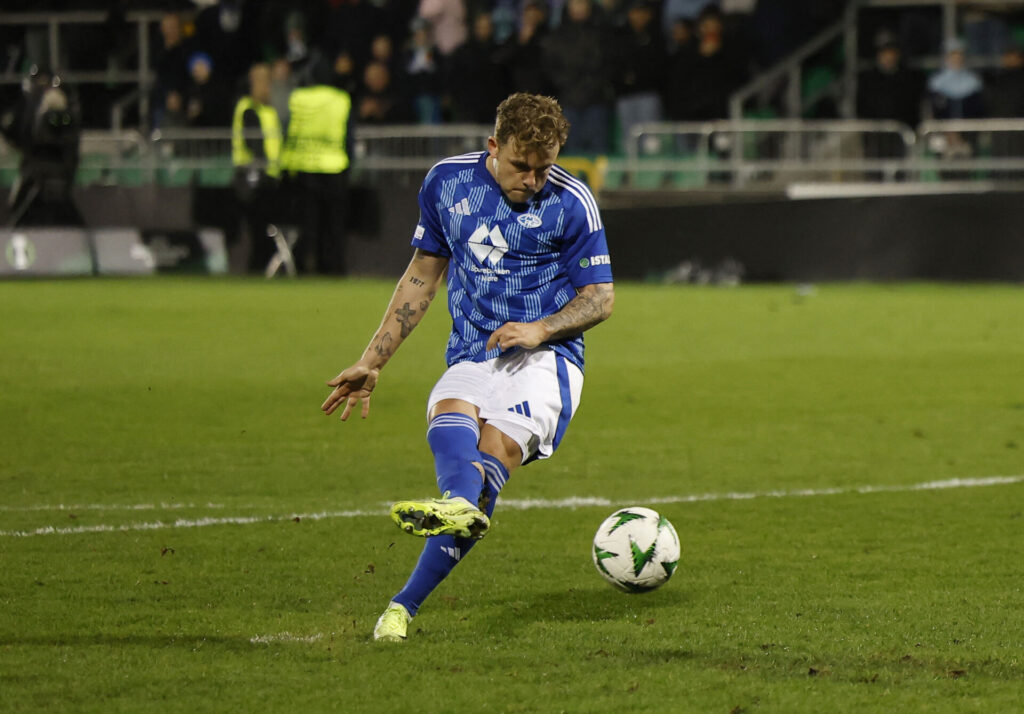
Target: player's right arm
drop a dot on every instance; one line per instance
(415, 291)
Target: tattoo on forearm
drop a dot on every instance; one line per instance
(581, 313)
(416, 281)
(384, 347)
(405, 316)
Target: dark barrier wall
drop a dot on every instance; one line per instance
(951, 237)
(933, 237)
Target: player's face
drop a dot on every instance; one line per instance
(520, 175)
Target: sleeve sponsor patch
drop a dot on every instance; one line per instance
(595, 260)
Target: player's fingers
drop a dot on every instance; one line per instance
(495, 340)
(366, 406)
(331, 403)
(348, 408)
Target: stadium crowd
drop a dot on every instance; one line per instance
(429, 61)
(611, 63)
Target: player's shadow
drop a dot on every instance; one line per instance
(590, 604)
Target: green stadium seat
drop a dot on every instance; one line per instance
(218, 172)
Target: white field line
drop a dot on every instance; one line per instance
(110, 507)
(284, 637)
(516, 504)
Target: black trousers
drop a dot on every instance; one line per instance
(321, 207)
(260, 203)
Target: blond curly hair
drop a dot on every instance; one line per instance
(533, 122)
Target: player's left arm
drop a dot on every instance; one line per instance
(592, 305)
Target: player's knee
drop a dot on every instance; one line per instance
(501, 446)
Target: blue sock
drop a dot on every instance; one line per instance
(442, 553)
(453, 438)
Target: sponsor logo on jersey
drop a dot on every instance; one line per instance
(595, 260)
(529, 220)
(488, 246)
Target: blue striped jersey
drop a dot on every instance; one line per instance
(509, 262)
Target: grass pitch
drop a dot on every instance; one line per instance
(179, 526)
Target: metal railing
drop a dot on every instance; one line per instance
(49, 26)
(723, 155)
(786, 77)
(765, 153)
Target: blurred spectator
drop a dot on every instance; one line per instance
(423, 74)
(171, 72)
(44, 127)
(208, 95)
(296, 46)
(344, 68)
(227, 33)
(505, 15)
(447, 22)
(476, 79)
(681, 37)
(640, 68)
(688, 10)
(522, 54)
(986, 32)
(379, 101)
(382, 49)
(351, 26)
(1004, 90)
(1004, 97)
(256, 154)
(718, 70)
(317, 155)
(682, 58)
(889, 90)
(955, 92)
(579, 62)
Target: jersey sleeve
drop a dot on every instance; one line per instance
(586, 258)
(429, 234)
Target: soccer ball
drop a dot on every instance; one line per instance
(636, 549)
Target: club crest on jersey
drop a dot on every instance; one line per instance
(489, 246)
(528, 220)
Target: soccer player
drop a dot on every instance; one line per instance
(524, 250)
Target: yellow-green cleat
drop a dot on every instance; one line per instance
(440, 516)
(393, 624)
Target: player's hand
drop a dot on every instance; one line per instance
(518, 334)
(353, 385)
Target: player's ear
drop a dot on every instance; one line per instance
(492, 146)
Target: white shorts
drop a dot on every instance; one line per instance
(529, 395)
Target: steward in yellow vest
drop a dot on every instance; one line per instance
(253, 114)
(316, 157)
(318, 138)
(256, 142)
